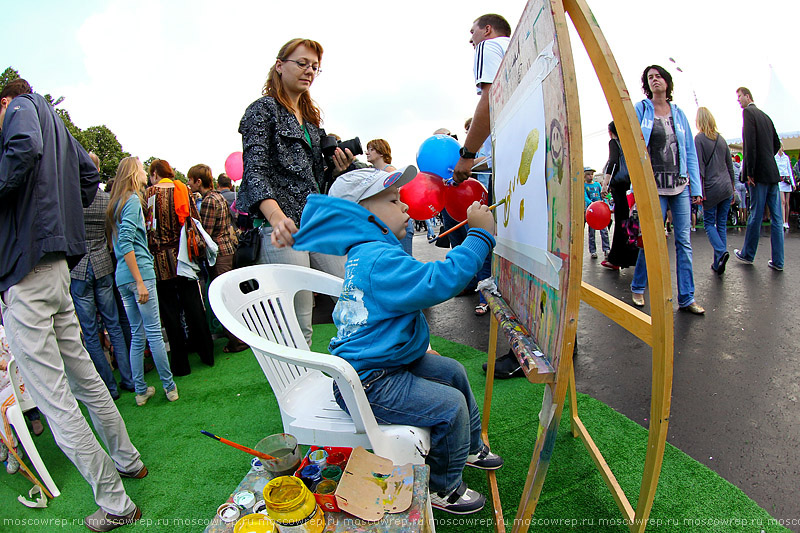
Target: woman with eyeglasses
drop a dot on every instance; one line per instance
(283, 163)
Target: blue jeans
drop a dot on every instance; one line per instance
(762, 194)
(715, 220)
(431, 392)
(146, 323)
(603, 238)
(430, 225)
(681, 207)
(90, 296)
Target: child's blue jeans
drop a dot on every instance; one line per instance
(431, 392)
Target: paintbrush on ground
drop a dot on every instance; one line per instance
(463, 222)
(251, 451)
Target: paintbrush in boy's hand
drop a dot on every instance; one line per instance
(463, 222)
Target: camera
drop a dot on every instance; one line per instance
(329, 144)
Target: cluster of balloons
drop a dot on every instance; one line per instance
(426, 195)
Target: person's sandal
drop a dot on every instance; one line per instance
(481, 309)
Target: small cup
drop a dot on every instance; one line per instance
(326, 486)
(333, 473)
(337, 459)
(319, 458)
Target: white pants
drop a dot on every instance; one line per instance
(44, 337)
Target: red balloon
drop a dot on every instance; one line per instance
(424, 196)
(457, 199)
(234, 166)
(598, 215)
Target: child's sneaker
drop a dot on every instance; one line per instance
(141, 399)
(594, 255)
(485, 459)
(173, 394)
(461, 500)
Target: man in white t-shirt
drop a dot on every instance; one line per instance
(490, 37)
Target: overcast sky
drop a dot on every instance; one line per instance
(172, 78)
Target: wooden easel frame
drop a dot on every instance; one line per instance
(656, 330)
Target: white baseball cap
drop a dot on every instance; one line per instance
(364, 183)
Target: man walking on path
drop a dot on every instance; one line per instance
(45, 179)
(760, 144)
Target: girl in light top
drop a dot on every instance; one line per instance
(787, 183)
(136, 276)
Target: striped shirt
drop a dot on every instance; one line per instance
(488, 55)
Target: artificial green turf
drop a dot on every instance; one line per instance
(190, 474)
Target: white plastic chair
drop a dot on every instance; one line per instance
(257, 305)
(17, 421)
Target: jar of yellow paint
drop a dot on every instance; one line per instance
(292, 506)
(254, 523)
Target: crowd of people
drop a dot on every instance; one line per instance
(130, 259)
(693, 173)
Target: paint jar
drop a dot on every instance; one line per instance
(228, 512)
(334, 473)
(337, 459)
(244, 499)
(324, 493)
(283, 447)
(257, 465)
(319, 458)
(254, 523)
(326, 486)
(311, 475)
(292, 506)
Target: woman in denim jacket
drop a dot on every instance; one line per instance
(283, 163)
(671, 148)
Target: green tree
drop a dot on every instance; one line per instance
(101, 141)
(8, 75)
(97, 139)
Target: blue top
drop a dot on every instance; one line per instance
(591, 193)
(46, 179)
(379, 312)
(131, 235)
(683, 132)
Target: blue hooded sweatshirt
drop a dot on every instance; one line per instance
(379, 313)
(683, 133)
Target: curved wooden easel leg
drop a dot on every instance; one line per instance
(659, 333)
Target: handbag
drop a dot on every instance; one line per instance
(632, 227)
(248, 248)
(622, 178)
(195, 243)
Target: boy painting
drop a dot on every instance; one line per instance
(382, 331)
(591, 193)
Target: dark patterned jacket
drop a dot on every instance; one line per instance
(278, 162)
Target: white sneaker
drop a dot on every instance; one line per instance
(485, 459)
(173, 394)
(785, 225)
(141, 399)
(461, 500)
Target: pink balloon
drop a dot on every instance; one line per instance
(424, 196)
(457, 199)
(234, 166)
